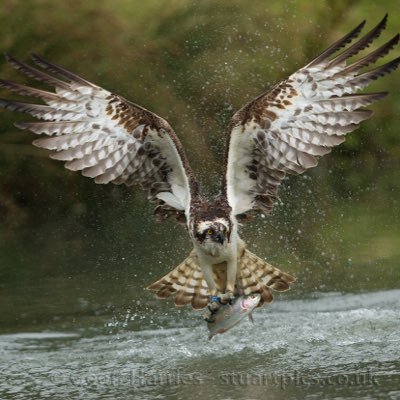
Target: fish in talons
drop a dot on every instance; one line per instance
(230, 314)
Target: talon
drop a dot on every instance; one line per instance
(208, 320)
(216, 302)
(227, 297)
(212, 308)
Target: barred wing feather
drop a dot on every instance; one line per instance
(104, 136)
(287, 129)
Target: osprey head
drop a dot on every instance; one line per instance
(217, 231)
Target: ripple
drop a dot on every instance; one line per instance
(312, 339)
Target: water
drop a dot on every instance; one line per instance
(77, 323)
(329, 345)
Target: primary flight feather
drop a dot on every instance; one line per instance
(283, 131)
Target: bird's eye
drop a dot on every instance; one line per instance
(210, 232)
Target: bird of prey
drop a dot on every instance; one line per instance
(282, 131)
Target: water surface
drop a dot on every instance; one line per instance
(326, 346)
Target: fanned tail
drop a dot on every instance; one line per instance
(257, 276)
(187, 285)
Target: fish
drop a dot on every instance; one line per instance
(230, 314)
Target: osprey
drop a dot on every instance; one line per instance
(282, 131)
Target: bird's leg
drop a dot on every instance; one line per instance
(209, 278)
(231, 270)
(212, 306)
(218, 299)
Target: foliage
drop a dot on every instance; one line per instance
(195, 63)
(192, 62)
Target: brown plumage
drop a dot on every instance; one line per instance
(105, 136)
(285, 130)
(254, 275)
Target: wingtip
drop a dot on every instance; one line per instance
(12, 60)
(37, 143)
(36, 57)
(342, 42)
(20, 125)
(357, 30)
(384, 19)
(38, 60)
(154, 286)
(382, 24)
(394, 63)
(381, 95)
(369, 114)
(360, 26)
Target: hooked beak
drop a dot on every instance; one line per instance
(219, 237)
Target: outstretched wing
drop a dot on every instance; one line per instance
(286, 129)
(105, 136)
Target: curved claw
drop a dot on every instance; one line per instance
(216, 302)
(227, 297)
(212, 308)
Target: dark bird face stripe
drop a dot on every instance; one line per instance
(283, 131)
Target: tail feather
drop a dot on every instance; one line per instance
(266, 273)
(201, 293)
(185, 293)
(254, 275)
(257, 276)
(186, 283)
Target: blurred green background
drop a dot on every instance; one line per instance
(71, 248)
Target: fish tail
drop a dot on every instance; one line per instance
(257, 276)
(185, 283)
